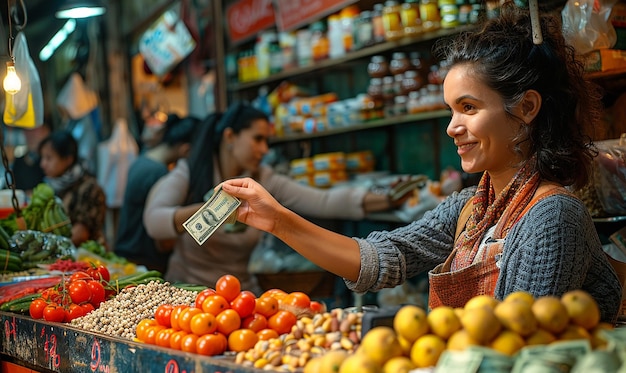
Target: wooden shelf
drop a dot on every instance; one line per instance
(359, 54)
(363, 126)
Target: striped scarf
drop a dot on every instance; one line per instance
(488, 209)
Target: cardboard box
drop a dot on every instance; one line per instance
(605, 60)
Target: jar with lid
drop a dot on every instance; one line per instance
(392, 21)
(378, 67)
(375, 89)
(399, 63)
(411, 81)
(347, 16)
(320, 46)
(335, 37)
(411, 20)
(418, 64)
(449, 15)
(378, 27)
(388, 88)
(413, 104)
(429, 11)
(363, 30)
(465, 8)
(400, 105)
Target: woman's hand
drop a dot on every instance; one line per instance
(258, 208)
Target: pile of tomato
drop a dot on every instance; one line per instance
(223, 319)
(74, 296)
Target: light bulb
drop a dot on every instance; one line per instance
(11, 83)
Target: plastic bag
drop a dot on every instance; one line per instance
(610, 175)
(114, 159)
(25, 108)
(76, 99)
(586, 24)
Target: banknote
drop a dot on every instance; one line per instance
(219, 209)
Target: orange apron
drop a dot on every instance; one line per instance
(455, 288)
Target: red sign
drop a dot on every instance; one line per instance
(246, 18)
(292, 14)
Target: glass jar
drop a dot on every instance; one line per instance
(411, 82)
(413, 103)
(378, 67)
(377, 23)
(363, 30)
(399, 63)
(388, 88)
(400, 105)
(411, 21)
(375, 89)
(392, 21)
(449, 15)
(320, 46)
(429, 11)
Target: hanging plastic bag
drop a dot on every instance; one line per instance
(76, 99)
(114, 159)
(25, 108)
(587, 26)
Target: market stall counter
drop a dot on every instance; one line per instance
(55, 347)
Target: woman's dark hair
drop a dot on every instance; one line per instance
(206, 145)
(179, 130)
(63, 143)
(503, 56)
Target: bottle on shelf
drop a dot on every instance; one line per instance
(347, 17)
(335, 37)
(411, 20)
(363, 30)
(429, 11)
(319, 41)
(392, 20)
(378, 26)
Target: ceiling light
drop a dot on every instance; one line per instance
(12, 83)
(80, 9)
(57, 40)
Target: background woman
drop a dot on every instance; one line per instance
(83, 198)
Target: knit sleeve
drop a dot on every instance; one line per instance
(389, 258)
(555, 248)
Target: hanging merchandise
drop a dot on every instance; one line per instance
(25, 107)
(75, 98)
(587, 25)
(115, 156)
(166, 43)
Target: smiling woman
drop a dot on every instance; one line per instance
(518, 114)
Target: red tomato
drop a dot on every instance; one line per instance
(317, 307)
(163, 337)
(266, 306)
(176, 338)
(228, 321)
(79, 291)
(202, 296)
(210, 345)
(297, 299)
(188, 343)
(203, 323)
(36, 308)
(51, 295)
(73, 312)
(142, 328)
(267, 334)
(163, 315)
(175, 316)
(184, 320)
(214, 304)
(54, 313)
(254, 322)
(80, 275)
(103, 273)
(97, 292)
(87, 307)
(282, 321)
(244, 303)
(242, 340)
(228, 286)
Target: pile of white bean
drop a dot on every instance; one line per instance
(119, 317)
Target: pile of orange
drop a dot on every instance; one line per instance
(224, 319)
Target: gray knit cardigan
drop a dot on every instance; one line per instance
(554, 248)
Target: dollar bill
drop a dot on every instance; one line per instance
(219, 209)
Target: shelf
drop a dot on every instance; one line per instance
(363, 126)
(601, 75)
(361, 53)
